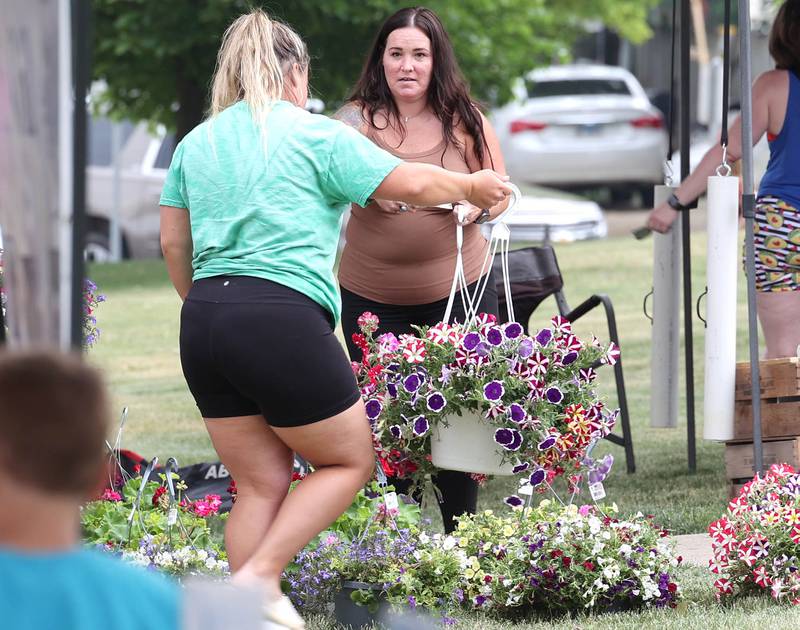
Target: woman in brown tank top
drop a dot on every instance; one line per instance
(398, 263)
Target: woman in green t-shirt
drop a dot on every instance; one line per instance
(250, 216)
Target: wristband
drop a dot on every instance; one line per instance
(483, 217)
(676, 204)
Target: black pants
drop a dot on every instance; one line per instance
(459, 492)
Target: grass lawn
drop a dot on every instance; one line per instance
(138, 352)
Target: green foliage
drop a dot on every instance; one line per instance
(105, 522)
(157, 59)
(369, 511)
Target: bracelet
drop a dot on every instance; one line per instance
(676, 204)
(483, 217)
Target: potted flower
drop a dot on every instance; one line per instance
(530, 400)
(756, 542)
(374, 558)
(556, 558)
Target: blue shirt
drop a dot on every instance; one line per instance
(81, 589)
(274, 214)
(782, 178)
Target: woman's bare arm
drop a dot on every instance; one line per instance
(176, 244)
(428, 185)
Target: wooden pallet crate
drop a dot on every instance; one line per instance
(780, 399)
(739, 462)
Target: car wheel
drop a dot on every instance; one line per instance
(646, 192)
(621, 196)
(97, 248)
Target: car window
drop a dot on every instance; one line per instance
(577, 87)
(100, 139)
(165, 152)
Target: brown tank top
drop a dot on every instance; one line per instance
(408, 258)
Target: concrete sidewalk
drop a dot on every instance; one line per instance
(695, 549)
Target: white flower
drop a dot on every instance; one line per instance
(424, 538)
(611, 572)
(449, 543)
(625, 550)
(595, 525)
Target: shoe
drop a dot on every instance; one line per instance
(280, 611)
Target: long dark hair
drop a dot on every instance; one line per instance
(448, 94)
(784, 38)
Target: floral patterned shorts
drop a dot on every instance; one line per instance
(777, 241)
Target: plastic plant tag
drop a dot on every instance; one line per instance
(526, 489)
(391, 501)
(172, 516)
(597, 491)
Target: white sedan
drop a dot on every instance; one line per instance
(544, 215)
(583, 125)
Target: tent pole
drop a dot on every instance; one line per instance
(748, 207)
(685, 127)
(81, 42)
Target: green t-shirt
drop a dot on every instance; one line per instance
(276, 218)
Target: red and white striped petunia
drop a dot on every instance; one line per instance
(561, 326)
(414, 352)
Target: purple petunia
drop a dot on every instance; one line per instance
(421, 426)
(470, 341)
(482, 349)
(374, 408)
(493, 391)
(509, 439)
(569, 357)
(525, 348)
(411, 383)
(391, 388)
(494, 336)
(512, 330)
(544, 336)
(513, 501)
(554, 395)
(599, 470)
(436, 402)
(395, 431)
(520, 468)
(548, 442)
(537, 477)
(517, 413)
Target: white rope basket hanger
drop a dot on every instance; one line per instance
(499, 239)
(467, 443)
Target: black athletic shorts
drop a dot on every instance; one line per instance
(251, 346)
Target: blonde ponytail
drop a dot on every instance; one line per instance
(255, 53)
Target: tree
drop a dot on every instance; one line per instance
(157, 58)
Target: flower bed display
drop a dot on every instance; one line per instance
(535, 392)
(548, 559)
(756, 544)
(174, 537)
(555, 558)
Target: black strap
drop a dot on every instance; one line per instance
(726, 72)
(670, 107)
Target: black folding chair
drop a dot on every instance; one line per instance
(534, 276)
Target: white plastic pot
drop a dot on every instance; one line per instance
(467, 444)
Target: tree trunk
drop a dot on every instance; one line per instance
(192, 99)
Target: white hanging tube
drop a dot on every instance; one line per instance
(721, 275)
(665, 334)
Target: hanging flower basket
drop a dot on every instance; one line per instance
(531, 399)
(466, 443)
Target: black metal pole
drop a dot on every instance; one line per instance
(748, 210)
(685, 126)
(81, 52)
